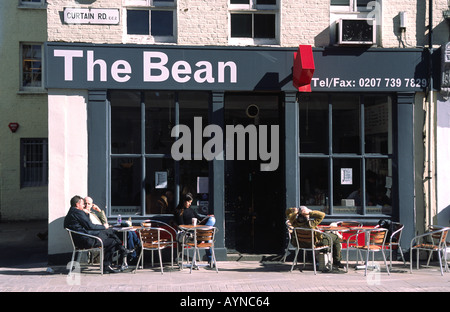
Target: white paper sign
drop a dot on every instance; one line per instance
(91, 16)
(160, 179)
(346, 176)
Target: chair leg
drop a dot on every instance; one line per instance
(160, 261)
(385, 264)
(193, 259)
(71, 262)
(314, 261)
(295, 259)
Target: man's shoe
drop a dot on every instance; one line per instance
(339, 265)
(110, 269)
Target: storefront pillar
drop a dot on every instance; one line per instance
(291, 150)
(98, 145)
(217, 178)
(404, 162)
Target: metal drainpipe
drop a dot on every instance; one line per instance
(430, 115)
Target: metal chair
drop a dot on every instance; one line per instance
(375, 242)
(164, 225)
(203, 238)
(152, 239)
(394, 241)
(434, 240)
(305, 240)
(289, 230)
(351, 243)
(80, 250)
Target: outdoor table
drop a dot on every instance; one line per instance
(125, 231)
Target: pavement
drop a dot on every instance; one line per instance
(24, 268)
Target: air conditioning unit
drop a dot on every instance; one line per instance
(356, 31)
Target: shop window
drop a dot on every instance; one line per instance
(31, 71)
(34, 162)
(145, 179)
(253, 21)
(350, 174)
(151, 18)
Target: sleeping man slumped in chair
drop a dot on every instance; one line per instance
(301, 218)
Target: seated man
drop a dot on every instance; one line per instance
(77, 219)
(301, 218)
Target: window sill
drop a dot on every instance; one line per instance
(33, 7)
(30, 92)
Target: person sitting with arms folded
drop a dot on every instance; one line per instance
(77, 219)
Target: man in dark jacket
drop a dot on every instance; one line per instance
(77, 219)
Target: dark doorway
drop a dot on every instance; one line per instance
(254, 201)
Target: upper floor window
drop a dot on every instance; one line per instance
(151, 18)
(351, 5)
(253, 21)
(31, 71)
(32, 3)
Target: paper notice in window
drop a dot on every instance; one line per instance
(160, 179)
(346, 176)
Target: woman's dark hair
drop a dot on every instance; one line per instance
(184, 198)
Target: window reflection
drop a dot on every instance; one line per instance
(314, 183)
(346, 125)
(125, 122)
(313, 129)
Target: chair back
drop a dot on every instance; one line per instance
(396, 235)
(440, 236)
(304, 237)
(377, 237)
(152, 238)
(204, 237)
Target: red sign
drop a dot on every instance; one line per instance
(303, 68)
(13, 126)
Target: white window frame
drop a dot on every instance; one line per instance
(355, 11)
(352, 7)
(253, 8)
(150, 5)
(28, 4)
(32, 88)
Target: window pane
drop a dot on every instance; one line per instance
(194, 104)
(162, 23)
(377, 124)
(347, 196)
(346, 125)
(266, 2)
(159, 121)
(126, 185)
(239, 1)
(264, 25)
(241, 25)
(31, 65)
(314, 184)
(340, 2)
(159, 186)
(125, 122)
(379, 186)
(138, 22)
(190, 172)
(314, 124)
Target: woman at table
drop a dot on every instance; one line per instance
(184, 213)
(307, 218)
